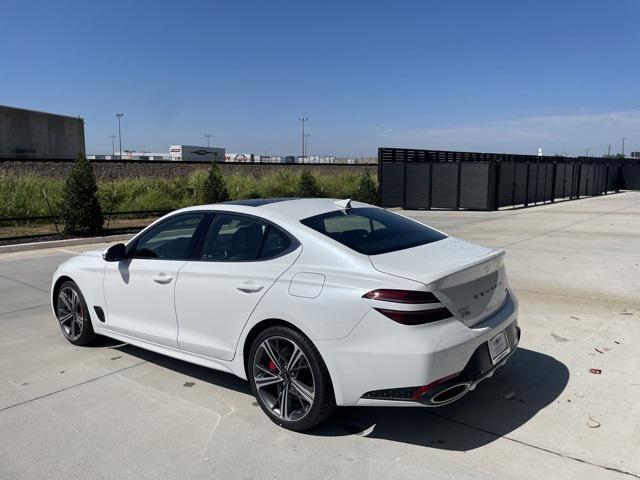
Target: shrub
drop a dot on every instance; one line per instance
(308, 186)
(215, 188)
(80, 211)
(367, 190)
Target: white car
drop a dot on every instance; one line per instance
(316, 302)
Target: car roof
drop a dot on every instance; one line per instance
(291, 209)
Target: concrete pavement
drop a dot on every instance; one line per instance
(116, 411)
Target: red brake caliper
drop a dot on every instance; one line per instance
(271, 365)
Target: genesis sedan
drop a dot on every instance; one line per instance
(317, 302)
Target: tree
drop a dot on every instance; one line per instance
(308, 185)
(215, 188)
(81, 212)
(367, 190)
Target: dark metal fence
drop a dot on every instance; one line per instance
(425, 179)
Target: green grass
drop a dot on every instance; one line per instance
(22, 196)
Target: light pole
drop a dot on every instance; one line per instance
(120, 115)
(113, 144)
(208, 135)
(303, 119)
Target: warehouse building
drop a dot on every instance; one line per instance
(31, 134)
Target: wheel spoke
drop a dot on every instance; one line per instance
(75, 300)
(284, 403)
(302, 392)
(272, 354)
(72, 328)
(66, 301)
(262, 382)
(65, 318)
(295, 357)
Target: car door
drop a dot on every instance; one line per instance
(240, 259)
(139, 290)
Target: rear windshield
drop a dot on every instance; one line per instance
(372, 231)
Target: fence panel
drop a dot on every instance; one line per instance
(506, 189)
(391, 184)
(475, 185)
(418, 185)
(445, 185)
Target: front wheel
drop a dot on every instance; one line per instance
(73, 315)
(289, 379)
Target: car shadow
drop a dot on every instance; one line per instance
(204, 374)
(514, 395)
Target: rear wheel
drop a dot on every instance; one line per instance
(289, 379)
(73, 315)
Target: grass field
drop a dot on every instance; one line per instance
(36, 196)
(26, 196)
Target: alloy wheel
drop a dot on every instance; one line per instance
(283, 378)
(70, 313)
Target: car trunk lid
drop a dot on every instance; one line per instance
(468, 279)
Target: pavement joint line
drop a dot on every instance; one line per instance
(536, 447)
(588, 252)
(33, 307)
(23, 283)
(571, 225)
(593, 299)
(3, 409)
(48, 270)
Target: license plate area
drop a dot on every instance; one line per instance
(498, 347)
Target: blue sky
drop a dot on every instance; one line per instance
(506, 76)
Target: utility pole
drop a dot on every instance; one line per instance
(120, 115)
(303, 119)
(208, 135)
(587, 153)
(306, 144)
(113, 145)
(609, 151)
(623, 139)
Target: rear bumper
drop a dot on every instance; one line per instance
(384, 363)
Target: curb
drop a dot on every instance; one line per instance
(24, 247)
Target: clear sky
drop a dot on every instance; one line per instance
(506, 76)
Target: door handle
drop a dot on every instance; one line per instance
(249, 287)
(162, 278)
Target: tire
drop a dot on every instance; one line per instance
(309, 397)
(73, 315)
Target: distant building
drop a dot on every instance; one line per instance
(193, 153)
(31, 134)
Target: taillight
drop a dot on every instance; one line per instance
(408, 317)
(416, 317)
(401, 296)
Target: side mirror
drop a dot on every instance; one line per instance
(115, 253)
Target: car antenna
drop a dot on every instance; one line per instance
(344, 204)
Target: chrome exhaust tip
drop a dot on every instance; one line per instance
(450, 394)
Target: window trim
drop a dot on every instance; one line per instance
(294, 243)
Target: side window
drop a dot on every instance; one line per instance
(170, 240)
(234, 238)
(275, 243)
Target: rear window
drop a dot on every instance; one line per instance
(372, 231)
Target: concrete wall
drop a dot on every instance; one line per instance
(27, 133)
(107, 170)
